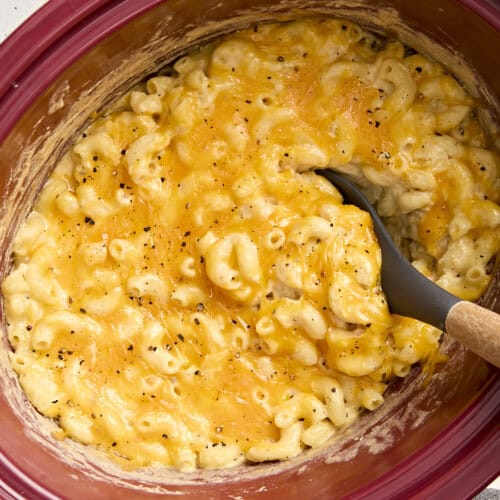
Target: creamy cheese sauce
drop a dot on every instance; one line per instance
(187, 293)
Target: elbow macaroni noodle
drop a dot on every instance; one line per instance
(187, 293)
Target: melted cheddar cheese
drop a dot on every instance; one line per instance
(187, 292)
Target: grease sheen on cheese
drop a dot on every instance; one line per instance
(186, 292)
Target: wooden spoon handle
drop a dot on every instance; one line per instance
(476, 328)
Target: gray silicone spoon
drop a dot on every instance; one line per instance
(410, 293)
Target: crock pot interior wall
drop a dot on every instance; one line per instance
(378, 441)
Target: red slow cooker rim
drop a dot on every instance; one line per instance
(60, 20)
(45, 26)
(442, 467)
(485, 9)
(66, 32)
(458, 463)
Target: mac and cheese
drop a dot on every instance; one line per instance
(187, 292)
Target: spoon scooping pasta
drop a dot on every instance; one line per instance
(410, 293)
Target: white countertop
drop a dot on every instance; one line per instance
(14, 12)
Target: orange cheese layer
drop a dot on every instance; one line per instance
(185, 279)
